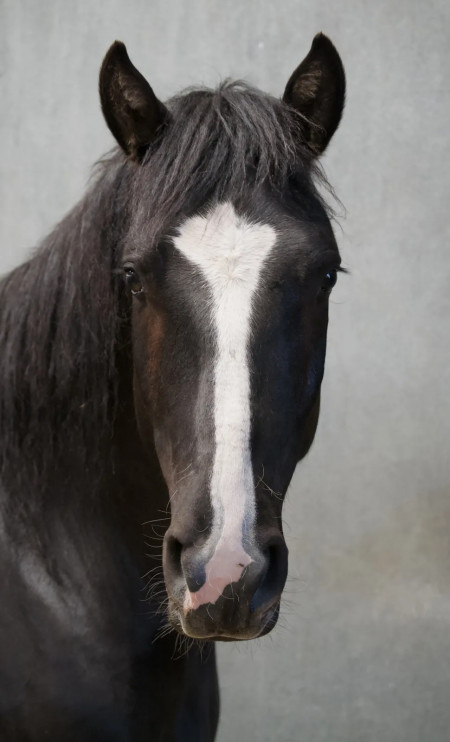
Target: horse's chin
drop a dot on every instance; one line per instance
(259, 624)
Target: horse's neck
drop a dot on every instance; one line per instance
(90, 556)
(106, 518)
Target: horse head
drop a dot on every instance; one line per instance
(229, 258)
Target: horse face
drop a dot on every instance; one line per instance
(229, 330)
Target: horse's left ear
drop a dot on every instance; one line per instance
(131, 109)
(316, 89)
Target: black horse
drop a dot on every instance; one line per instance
(162, 355)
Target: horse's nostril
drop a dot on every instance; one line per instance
(272, 579)
(183, 562)
(173, 549)
(194, 572)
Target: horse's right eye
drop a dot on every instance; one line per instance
(133, 280)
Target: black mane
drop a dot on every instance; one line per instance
(59, 321)
(61, 312)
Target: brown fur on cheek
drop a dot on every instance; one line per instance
(156, 332)
(149, 328)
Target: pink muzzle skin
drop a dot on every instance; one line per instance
(225, 567)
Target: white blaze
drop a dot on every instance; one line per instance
(230, 252)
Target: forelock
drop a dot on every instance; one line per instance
(217, 145)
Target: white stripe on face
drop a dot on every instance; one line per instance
(230, 253)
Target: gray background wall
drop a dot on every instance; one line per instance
(362, 652)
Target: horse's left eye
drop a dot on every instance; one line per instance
(133, 280)
(329, 281)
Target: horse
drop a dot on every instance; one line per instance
(162, 356)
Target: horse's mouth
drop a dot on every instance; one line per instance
(200, 625)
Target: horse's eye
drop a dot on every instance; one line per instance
(133, 280)
(329, 281)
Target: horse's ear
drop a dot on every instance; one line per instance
(316, 89)
(131, 109)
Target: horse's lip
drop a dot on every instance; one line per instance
(268, 619)
(223, 637)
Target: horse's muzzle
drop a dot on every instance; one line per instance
(244, 608)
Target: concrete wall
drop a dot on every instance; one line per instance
(363, 649)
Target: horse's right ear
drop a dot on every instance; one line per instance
(131, 109)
